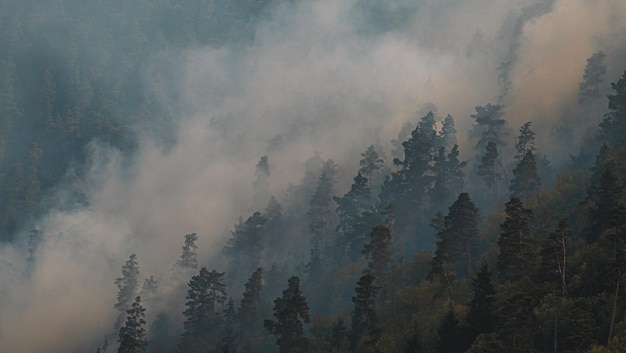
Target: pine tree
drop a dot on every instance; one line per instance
(525, 177)
(449, 176)
(515, 242)
(589, 87)
(554, 256)
(460, 230)
(489, 169)
(364, 319)
(127, 285)
(378, 253)
(349, 208)
(246, 244)
(371, 164)
(132, 335)
(448, 133)
(489, 126)
(189, 258)
(247, 313)
(206, 290)
(482, 317)
(525, 142)
(321, 222)
(450, 340)
(613, 126)
(291, 311)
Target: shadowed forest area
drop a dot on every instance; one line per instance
(284, 176)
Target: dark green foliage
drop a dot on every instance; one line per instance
(206, 290)
(613, 127)
(482, 316)
(460, 232)
(525, 177)
(580, 327)
(245, 246)
(449, 334)
(448, 133)
(589, 87)
(321, 221)
(247, 313)
(350, 209)
(132, 337)
(127, 285)
(515, 242)
(525, 142)
(489, 126)
(364, 318)
(291, 312)
(489, 168)
(449, 176)
(371, 164)
(554, 257)
(517, 329)
(189, 258)
(378, 253)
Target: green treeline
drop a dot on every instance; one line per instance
(542, 270)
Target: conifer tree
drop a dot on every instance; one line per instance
(589, 87)
(613, 126)
(489, 126)
(246, 244)
(488, 169)
(448, 133)
(321, 222)
(127, 285)
(460, 231)
(291, 312)
(189, 258)
(525, 177)
(371, 164)
(206, 290)
(247, 313)
(132, 335)
(364, 319)
(554, 256)
(515, 242)
(482, 317)
(450, 340)
(525, 142)
(378, 253)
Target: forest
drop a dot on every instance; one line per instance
(312, 176)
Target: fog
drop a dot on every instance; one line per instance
(315, 78)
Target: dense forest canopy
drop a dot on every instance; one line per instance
(312, 176)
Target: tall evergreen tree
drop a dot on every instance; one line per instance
(525, 177)
(489, 168)
(450, 340)
(291, 311)
(251, 296)
(321, 221)
(206, 290)
(449, 176)
(482, 316)
(378, 253)
(189, 258)
(128, 285)
(371, 164)
(132, 337)
(460, 231)
(589, 87)
(525, 142)
(515, 242)
(448, 133)
(554, 255)
(364, 319)
(246, 244)
(349, 208)
(613, 126)
(489, 126)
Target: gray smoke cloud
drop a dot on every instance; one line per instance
(315, 80)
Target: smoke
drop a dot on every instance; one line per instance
(312, 80)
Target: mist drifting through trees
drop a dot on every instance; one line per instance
(312, 176)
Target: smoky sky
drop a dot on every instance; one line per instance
(316, 78)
